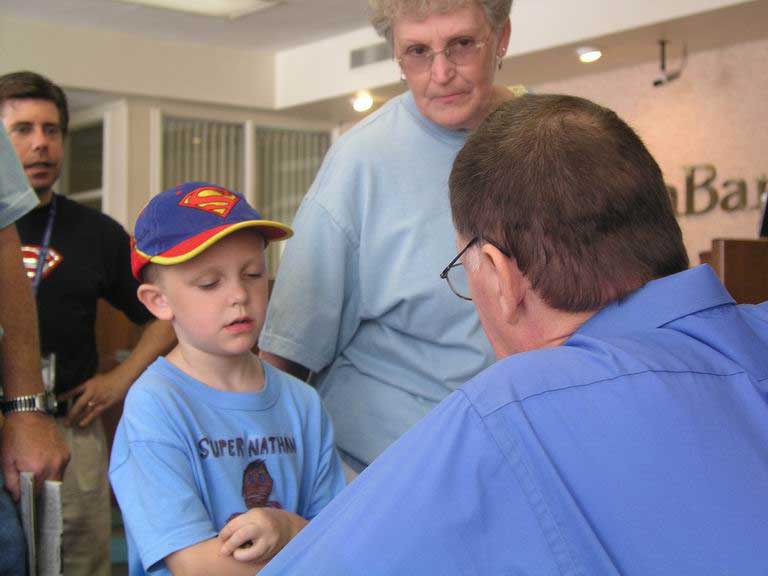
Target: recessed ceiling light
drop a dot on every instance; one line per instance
(223, 8)
(362, 101)
(588, 54)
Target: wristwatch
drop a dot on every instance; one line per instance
(44, 402)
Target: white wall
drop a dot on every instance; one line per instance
(128, 65)
(714, 114)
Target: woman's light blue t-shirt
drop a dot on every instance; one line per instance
(358, 297)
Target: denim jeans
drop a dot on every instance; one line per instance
(13, 552)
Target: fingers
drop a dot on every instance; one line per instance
(84, 411)
(226, 532)
(31, 443)
(236, 539)
(93, 411)
(235, 523)
(69, 394)
(92, 398)
(76, 411)
(252, 553)
(244, 544)
(44, 453)
(53, 466)
(11, 479)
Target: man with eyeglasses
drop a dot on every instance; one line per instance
(624, 428)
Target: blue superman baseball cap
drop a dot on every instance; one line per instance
(181, 222)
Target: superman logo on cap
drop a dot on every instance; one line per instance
(210, 199)
(31, 254)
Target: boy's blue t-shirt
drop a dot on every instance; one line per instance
(187, 457)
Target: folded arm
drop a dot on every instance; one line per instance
(244, 546)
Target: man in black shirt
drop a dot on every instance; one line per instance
(75, 255)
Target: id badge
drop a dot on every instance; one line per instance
(49, 371)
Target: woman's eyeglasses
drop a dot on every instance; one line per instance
(459, 51)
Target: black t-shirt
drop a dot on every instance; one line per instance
(88, 259)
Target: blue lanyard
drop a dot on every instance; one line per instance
(43, 254)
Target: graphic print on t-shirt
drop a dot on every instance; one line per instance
(30, 255)
(257, 486)
(257, 483)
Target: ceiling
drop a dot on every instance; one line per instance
(298, 22)
(288, 24)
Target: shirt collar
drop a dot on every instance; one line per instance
(660, 302)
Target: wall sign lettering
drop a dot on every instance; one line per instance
(704, 193)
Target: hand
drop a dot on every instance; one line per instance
(259, 534)
(93, 397)
(31, 443)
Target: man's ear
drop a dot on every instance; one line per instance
(155, 301)
(510, 283)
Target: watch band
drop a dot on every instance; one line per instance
(44, 402)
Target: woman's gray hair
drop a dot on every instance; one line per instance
(385, 12)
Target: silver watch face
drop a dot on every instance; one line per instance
(50, 403)
(40, 402)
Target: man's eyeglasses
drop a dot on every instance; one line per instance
(455, 273)
(459, 51)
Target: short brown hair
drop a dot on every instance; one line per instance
(151, 273)
(30, 85)
(385, 12)
(572, 193)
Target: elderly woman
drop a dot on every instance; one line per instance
(358, 300)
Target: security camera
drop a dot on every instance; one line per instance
(666, 78)
(669, 76)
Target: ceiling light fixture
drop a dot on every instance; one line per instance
(222, 8)
(588, 54)
(362, 101)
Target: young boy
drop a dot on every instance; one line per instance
(219, 459)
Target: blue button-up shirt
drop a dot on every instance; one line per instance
(639, 447)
